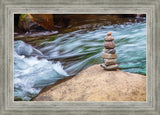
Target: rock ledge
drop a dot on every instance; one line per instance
(96, 84)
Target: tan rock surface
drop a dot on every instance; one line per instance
(108, 56)
(96, 84)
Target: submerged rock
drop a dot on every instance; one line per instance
(96, 84)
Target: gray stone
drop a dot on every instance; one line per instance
(110, 61)
(110, 51)
(110, 67)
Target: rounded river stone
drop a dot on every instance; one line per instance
(108, 56)
(109, 38)
(110, 61)
(110, 51)
(109, 45)
(109, 33)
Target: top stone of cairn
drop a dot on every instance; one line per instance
(108, 33)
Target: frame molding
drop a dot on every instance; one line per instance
(10, 7)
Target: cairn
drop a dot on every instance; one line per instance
(109, 53)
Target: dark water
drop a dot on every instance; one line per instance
(41, 62)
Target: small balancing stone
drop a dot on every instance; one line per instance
(109, 54)
(110, 67)
(110, 61)
(109, 45)
(108, 38)
(111, 51)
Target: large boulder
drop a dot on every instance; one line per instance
(36, 22)
(44, 20)
(96, 84)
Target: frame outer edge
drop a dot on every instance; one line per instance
(4, 58)
(157, 33)
(9, 45)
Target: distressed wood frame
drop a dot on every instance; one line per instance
(10, 7)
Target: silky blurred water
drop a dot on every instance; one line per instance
(42, 62)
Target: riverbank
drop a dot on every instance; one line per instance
(96, 84)
(58, 22)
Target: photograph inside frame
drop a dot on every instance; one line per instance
(79, 57)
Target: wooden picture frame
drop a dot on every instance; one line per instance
(10, 7)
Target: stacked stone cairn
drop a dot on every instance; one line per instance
(109, 54)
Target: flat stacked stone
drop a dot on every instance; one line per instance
(109, 53)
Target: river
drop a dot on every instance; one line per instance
(39, 62)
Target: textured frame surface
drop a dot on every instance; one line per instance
(10, 7)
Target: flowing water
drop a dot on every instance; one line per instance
(39, 62)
